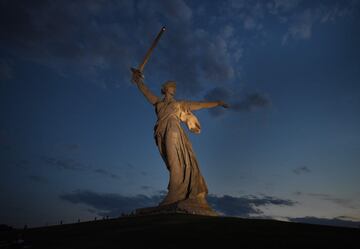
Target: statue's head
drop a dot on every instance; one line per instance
(169, 87)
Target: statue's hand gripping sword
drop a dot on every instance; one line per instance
(148, 53)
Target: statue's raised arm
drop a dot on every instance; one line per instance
(197, 105)
(138, 79)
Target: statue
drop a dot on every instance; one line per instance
(187, 188)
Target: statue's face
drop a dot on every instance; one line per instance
(171, 90)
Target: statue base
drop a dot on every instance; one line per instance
(188, 206)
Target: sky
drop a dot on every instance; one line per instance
(76, 136)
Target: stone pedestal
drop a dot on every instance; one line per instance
(188, 206)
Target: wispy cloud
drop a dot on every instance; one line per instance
(106, 173)
(301, 170)
(65, 163)
(145, 187)
(251, 101)
(299, 16)
(282, 6)
(251, 14)
(301, 27)
(93, 39)
(239, 102)
(245, 206)
(76, 165)
(78, 38)
(114, 204)
(301, 23)
(23, 164)
(344, 202)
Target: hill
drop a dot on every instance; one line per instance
(182, 231)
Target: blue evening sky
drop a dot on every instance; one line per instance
(76, 136)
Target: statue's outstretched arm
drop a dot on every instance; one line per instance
(138, 80)
(197, 105)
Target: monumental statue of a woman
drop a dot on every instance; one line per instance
(187, 189)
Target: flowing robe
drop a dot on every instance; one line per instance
(186, 181)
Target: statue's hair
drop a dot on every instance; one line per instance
(169, 83)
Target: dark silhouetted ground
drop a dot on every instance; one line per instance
(182, 231)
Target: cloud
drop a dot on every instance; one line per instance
(301, 170)
(23, 164)
(74, 165)
(318, 195)
(300, 16)
(337, 221)
(245, 206)
(111, 205)
(217, 94)
(238, 102)
(344, 202)
(301, 26)
(280, 6)
(115, 204)
(341, 201)
(65, 163)
(332, 14)
(251, 101)
(301, 23)
(177, 9)
(130, 165)
(67, 37)
(71, 147)
(106, 173)
(144, 187)
(100, 41)
(95, 39)
(251, 14)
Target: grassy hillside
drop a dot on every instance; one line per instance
(182, 231)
